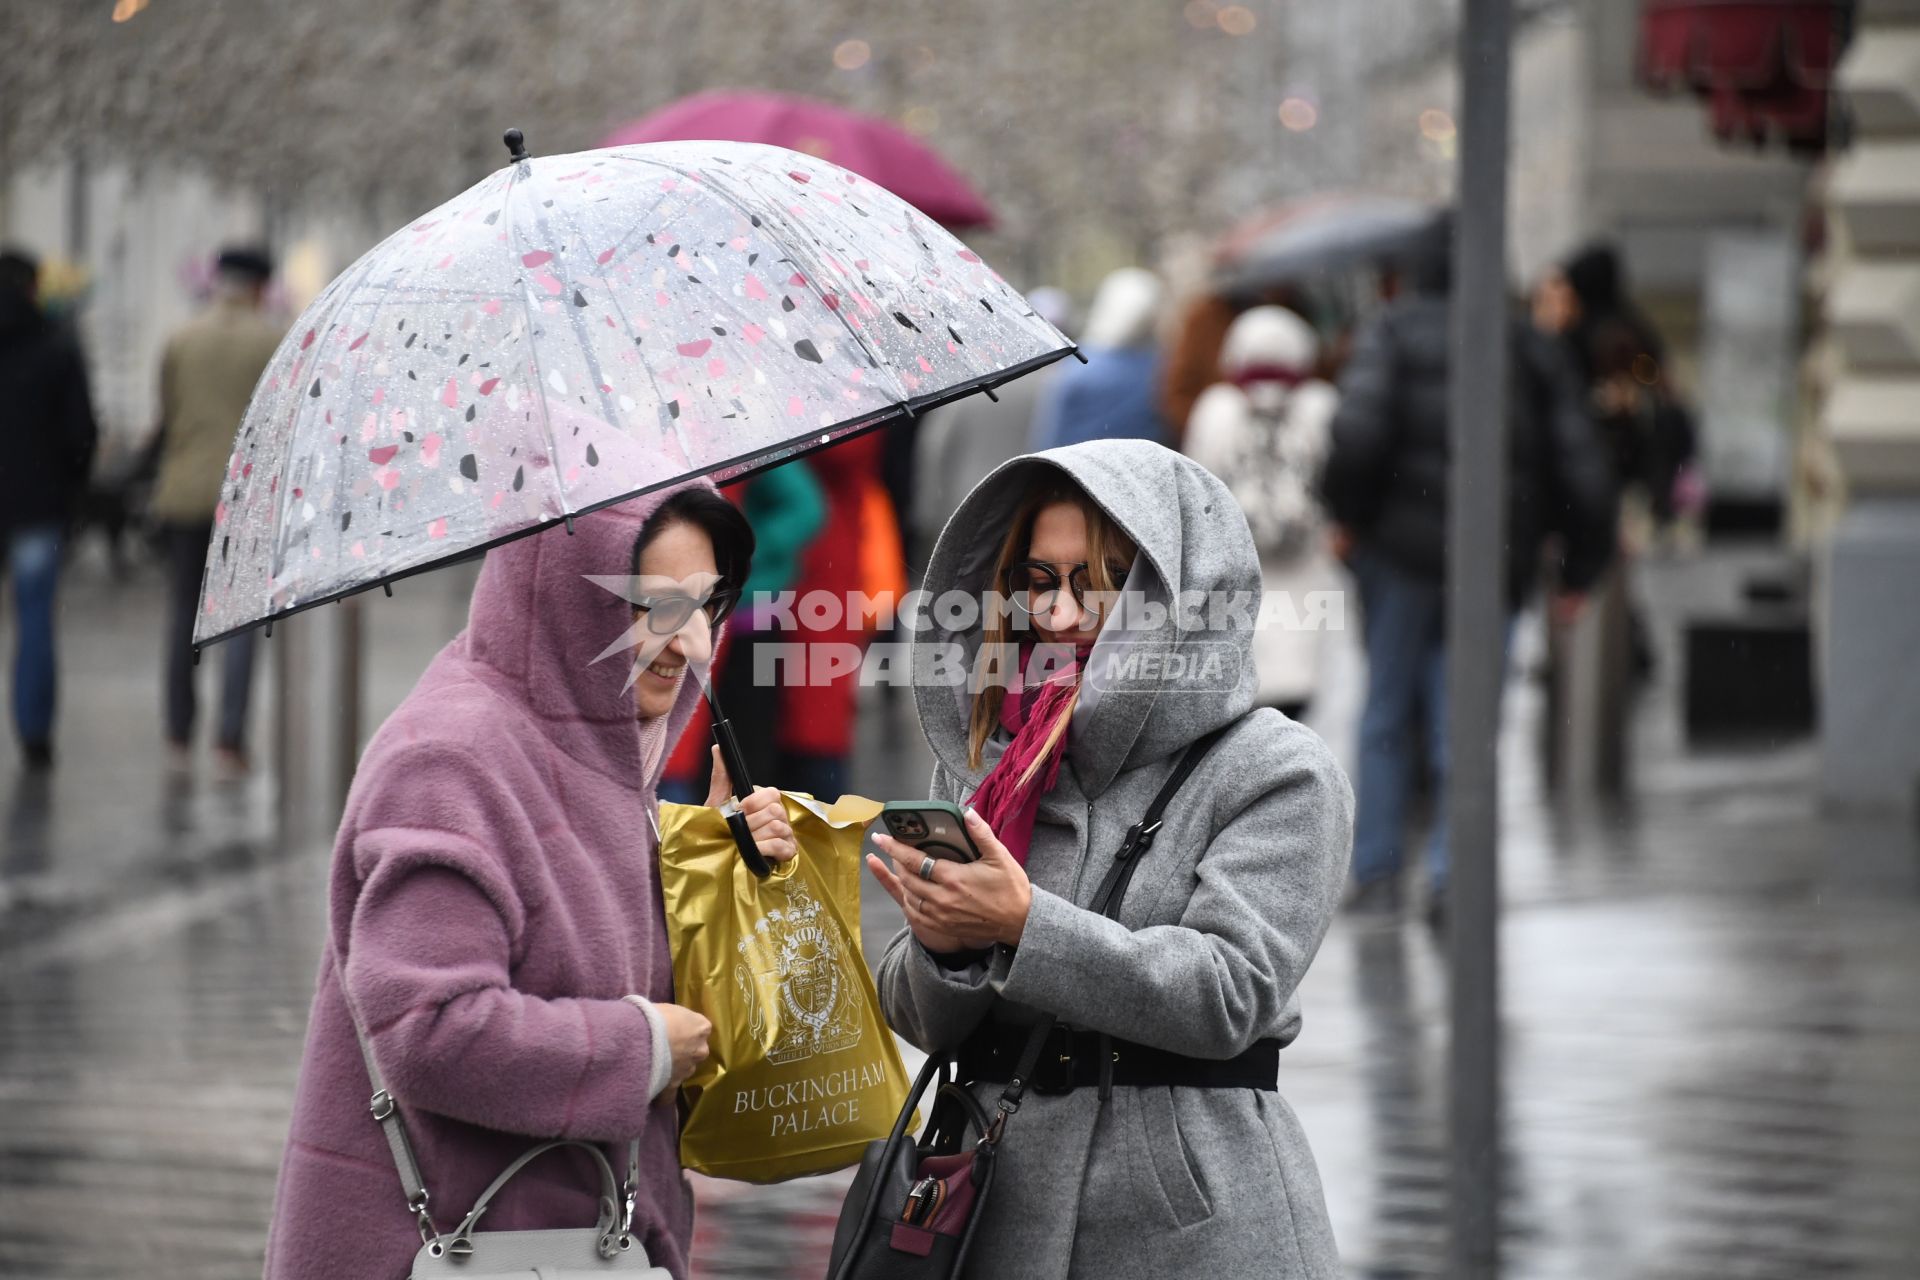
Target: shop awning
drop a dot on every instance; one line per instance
(1763, 66)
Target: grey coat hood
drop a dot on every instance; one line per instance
(1175, 661)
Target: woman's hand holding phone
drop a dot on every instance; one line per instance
(964, 905)
(930, 937)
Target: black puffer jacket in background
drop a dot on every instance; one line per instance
(46, 417)
(1386, 474)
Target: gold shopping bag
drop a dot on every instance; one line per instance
(804, 1072)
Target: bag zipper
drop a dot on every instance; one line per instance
(921, 1201)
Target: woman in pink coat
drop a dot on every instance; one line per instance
(495, 912)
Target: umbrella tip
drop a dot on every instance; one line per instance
(516, 146)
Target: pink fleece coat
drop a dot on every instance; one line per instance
(494, 895)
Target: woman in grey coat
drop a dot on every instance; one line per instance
(1191, 1164)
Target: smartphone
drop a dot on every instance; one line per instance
(934, 827)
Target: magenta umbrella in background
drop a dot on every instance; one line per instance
(877, 150)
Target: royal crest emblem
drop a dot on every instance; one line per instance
(793, 966)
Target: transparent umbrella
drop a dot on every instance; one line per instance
(576, 330)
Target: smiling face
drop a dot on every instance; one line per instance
(677, 563)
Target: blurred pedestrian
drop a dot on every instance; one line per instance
(1153, 1142)
(1622, 361)
(47, 437)
(1264, 431)
(1193, 363)
(496, 940)
(1648, 432)
(856, 551)
(1386, 487)
(1115, 394)
(207, 376)
(959, 443)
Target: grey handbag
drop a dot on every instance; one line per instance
(605, 1249)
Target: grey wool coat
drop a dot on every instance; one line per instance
(1225, 912)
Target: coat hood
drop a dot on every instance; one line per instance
(537, 626)
(1270, 336)
(1160, 676)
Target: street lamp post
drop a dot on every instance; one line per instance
(1476, 659)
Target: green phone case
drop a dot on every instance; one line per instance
(934, 827)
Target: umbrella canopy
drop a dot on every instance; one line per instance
(876, 149)
(575, 330)
(1319, 237)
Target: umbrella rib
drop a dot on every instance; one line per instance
(738, 467)
(389, 297)
(283, 496)
(626, 241)
(342, 289)
(359, 370)
(712, 182)
(582, 333)
(613, 296)
(875, 358)
(533, 346)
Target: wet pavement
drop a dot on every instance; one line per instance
(1712, 1002)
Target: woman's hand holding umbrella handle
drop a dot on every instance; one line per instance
(762, 808)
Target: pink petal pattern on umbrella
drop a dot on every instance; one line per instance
(594, 336)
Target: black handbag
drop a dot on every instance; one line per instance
(915, 1204)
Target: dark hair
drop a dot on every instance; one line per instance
(713, 515)
(1597, 278)
(19, 271)
(248, 262)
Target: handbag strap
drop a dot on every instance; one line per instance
(385, 1109)
(608, 1240)
(1017, 1083)
(1113, 889)
(386, 1113)
(1106, 901)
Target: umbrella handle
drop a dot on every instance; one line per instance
(739, 784)
(743, 841)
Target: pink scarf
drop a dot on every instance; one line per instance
(1010, 807)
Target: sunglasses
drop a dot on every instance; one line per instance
(1034, 585)
(667, 614)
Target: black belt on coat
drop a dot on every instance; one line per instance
(1071, 1060)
